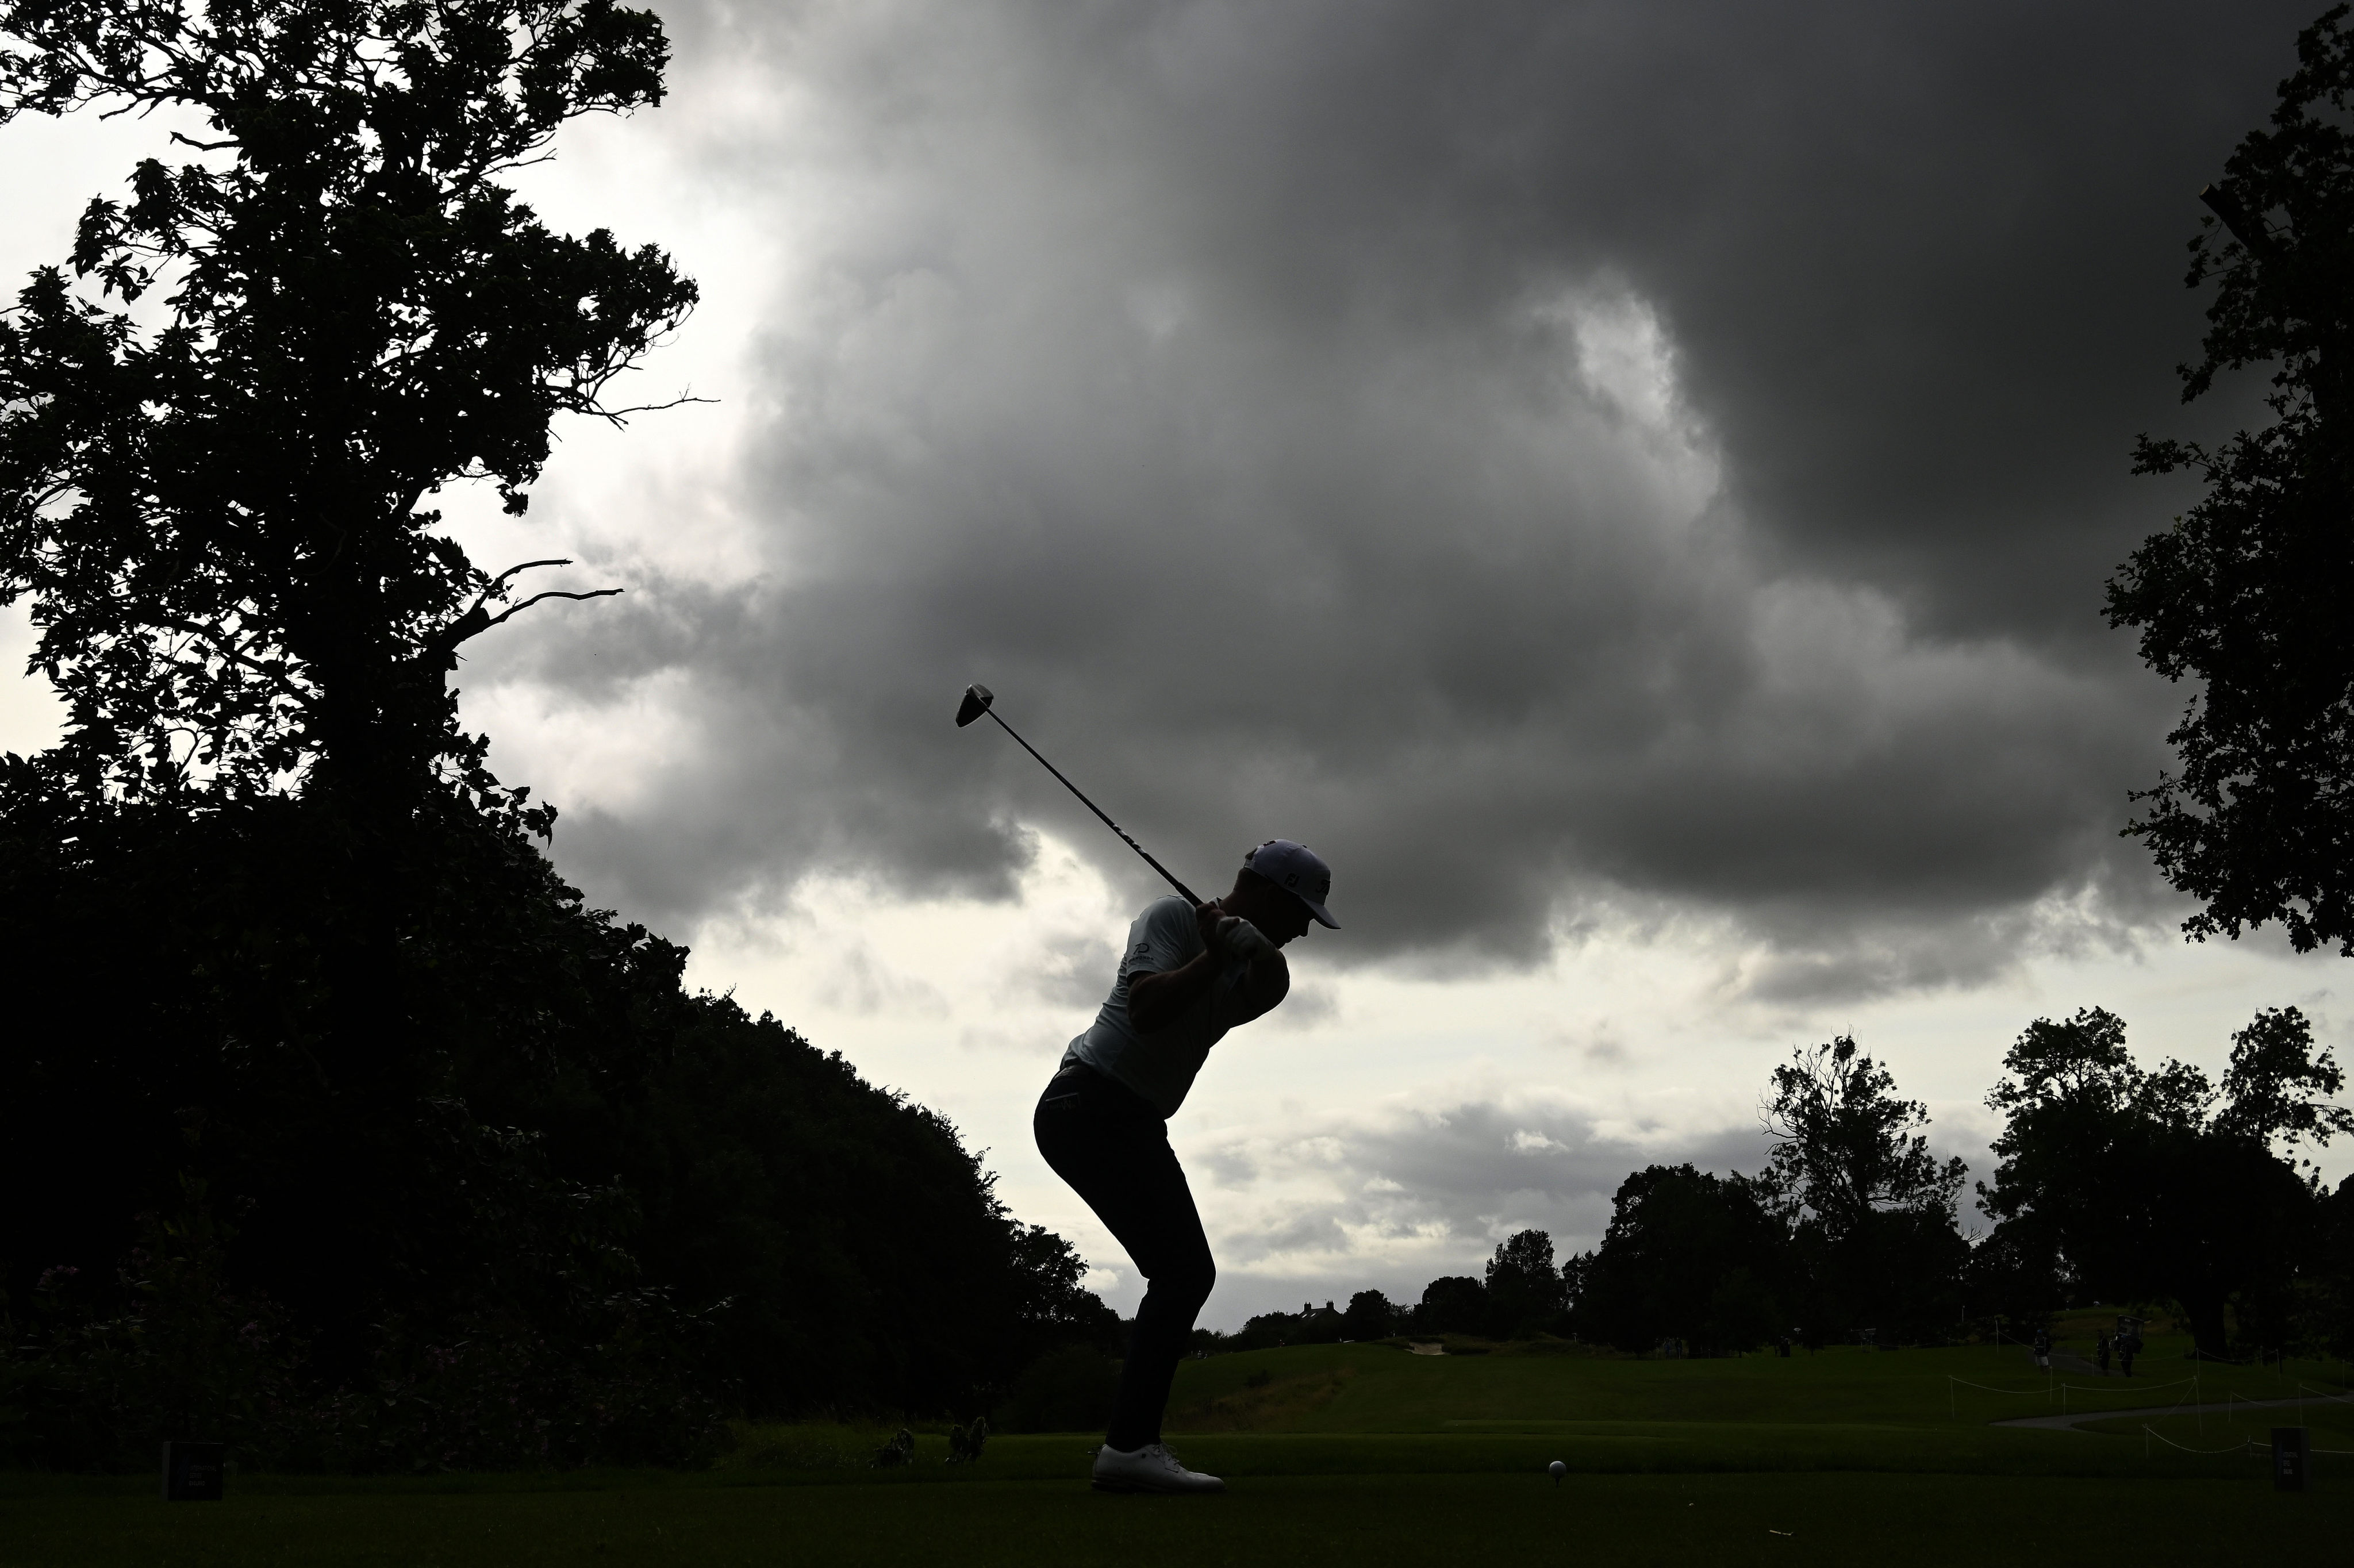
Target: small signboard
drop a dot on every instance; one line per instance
(192, 1472)
(2291, 1459)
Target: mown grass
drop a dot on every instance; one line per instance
(1379, 1390)
(1354, 1519)
(1363, 1454)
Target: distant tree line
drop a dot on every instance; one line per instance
(2113, 1183)
(334, 1123)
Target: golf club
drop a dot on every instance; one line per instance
(977, 701)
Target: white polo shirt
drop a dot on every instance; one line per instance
(1159, 1066)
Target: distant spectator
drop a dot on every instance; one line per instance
(2101, 1353)
(2128, 1347)
(2044, 1350)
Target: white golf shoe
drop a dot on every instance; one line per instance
(1151, 1468)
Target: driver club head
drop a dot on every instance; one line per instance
(976, 703)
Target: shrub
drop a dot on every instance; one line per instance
(1068, 1391)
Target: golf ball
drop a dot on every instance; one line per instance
(1557, 1470)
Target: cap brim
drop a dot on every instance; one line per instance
(1323, 916)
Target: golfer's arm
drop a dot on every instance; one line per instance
(1156, 1000)
(1265, 982)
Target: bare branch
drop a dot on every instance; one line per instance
(500, 581)
(618, 417)
(552, 593)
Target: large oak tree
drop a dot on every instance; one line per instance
(222, 508)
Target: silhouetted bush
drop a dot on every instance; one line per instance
(1069, 1390)
(1524, 1290)
(1689, 1256)
(1371, 1316)
(1457, 1304)
(559, 1151)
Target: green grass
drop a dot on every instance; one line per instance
(1369, 1388)
(1289, 1519)
(1362, 1455)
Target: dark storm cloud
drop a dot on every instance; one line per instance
(1269, 402)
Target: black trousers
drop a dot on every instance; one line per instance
(1112, 1146)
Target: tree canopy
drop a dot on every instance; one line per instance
(2118, 1184)
(306, 1033)
(222, 511)
(1842, 1150)
(1690, 1256)
(2248, 593)
(2149, 1183)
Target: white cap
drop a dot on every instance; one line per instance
(1298, 870)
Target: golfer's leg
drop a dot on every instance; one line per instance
(1173, 1254)
(1123, 1168)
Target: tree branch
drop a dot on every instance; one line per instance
(551, 593)
(211, 639)
(501, 580)
(479, 618)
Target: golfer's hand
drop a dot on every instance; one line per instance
(1245, 940)
(1157, 1000)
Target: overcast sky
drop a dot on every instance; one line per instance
(1629, 483)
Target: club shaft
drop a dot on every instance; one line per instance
(1090, 805)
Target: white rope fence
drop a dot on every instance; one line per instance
(1953, 1400)
(2148, 1432)
(2233, 1399)
(2245, 1444)
(2137, 1389)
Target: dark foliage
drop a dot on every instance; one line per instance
(2016, 1275)
(2140, 1184)
(221, 520)
(1311, 1325)
(2249, 593)
(1844, 1146)
(679, 1152)
(1689, 1256)
(1371, 1316)
(2323, 1301)
(1457, 1304)
(1525, 1290)
(1522, 1295)
(1069, 1390)
(491, 1187)
(2115, 1184)
(610, 1374)
(1872, 1211)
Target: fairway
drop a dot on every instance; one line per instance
(1361, 1454)
(1402, 1518)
